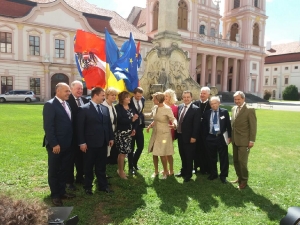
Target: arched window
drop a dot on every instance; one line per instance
(255, 34)
(182, 15)
(155, 15)
(212, 32)
(256, 3)
(202, 29)
(236, 4)
(234, 30)
(57, 78)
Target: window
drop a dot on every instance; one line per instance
(296, 67)
(34, 45)
(256, 3)
(59, 48)
(286, 68)
(266, 81)
(155, 16)
(273, 93)
(6, 42)
(254, 65)
(275, 69)
(212, 32)
(209, 78)
(6, 84)
(202, 29)
(267, 69)
(255, 34)
(219, 79)
(182, 15)
(274, 81)
(234, 31)
(236, 4)
(35, 85)
(286, 80)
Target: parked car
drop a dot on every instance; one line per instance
(18, 96)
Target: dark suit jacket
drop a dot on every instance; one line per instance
(74, 108)
(57, 125)
(90, 129)
(224, 123)
(190, 123)
(135, 110)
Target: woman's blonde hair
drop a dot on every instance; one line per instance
(111, 91)
(171, 93)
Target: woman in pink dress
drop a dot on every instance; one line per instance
(170, 100)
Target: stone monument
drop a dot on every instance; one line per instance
(166, 64)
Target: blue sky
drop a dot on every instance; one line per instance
(283, 24)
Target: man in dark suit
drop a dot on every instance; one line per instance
(217, 130)
(244, 126)
(95, 133)
(75, 100)
(201, 155)
(58, 129)
(187, 132)
(137, 103)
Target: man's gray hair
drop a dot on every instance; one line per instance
(239, 93)
(76, 82)
(215, 98)
(207, 89)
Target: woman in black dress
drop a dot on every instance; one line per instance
(125, 130)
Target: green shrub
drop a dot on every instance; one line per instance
(290, 93)
(267, 94)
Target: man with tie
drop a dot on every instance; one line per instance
(187, 132)
(244, 126)
(57, 120)
(94, 134)
(217, 131)
(75, 100)
(137, 103)
(201, 158)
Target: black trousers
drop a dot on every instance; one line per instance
(95, 158)
(216, 146)
(113, 157)
(77, 160)
(186, 152)
(138, 138)
(201, 156)
(58, 165)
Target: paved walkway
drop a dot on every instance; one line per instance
(280, 105)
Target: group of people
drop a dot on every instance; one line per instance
(90, 134)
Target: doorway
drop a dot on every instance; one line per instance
(57, 78)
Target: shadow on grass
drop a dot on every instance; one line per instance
(175, 194)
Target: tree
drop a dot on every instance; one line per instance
(290, 93)
(267, 94)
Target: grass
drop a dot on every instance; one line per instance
(273, 185)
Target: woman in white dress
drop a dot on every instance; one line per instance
(161, 143)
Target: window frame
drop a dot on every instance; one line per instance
(58, 55)
(6, 42)
(34, 45)
(7, 85)
(35, 87)
(202, 29)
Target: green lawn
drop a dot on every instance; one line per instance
(273, 185)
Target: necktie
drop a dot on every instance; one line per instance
(100, 113)
(215, 121)
(237, 111)
(65, 107)
(138, 106)
(78, 102)
(115, 116)
(181, 119)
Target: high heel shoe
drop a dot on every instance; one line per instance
(164, 176)
(154, 175)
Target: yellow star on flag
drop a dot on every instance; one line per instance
(130, 60)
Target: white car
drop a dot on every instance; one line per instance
(18, 96)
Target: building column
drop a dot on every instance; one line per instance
(47, 81)
(20, 42)
(234, 75)
(260, 78)
(213, 71)
(225, 74)
(203, 68)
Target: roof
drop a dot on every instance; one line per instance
(140, 19)
(95, 16)
(286, 48)
(291, 57)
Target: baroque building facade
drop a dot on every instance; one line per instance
(231, 59)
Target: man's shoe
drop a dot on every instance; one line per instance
(88, 192)
(71, 187)
(187, 180)
(212, 177)
(107, 190)
(67, 196)
(223, 180)
(57, 202)
(132, 172)
(179, 175)
(242, 186)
